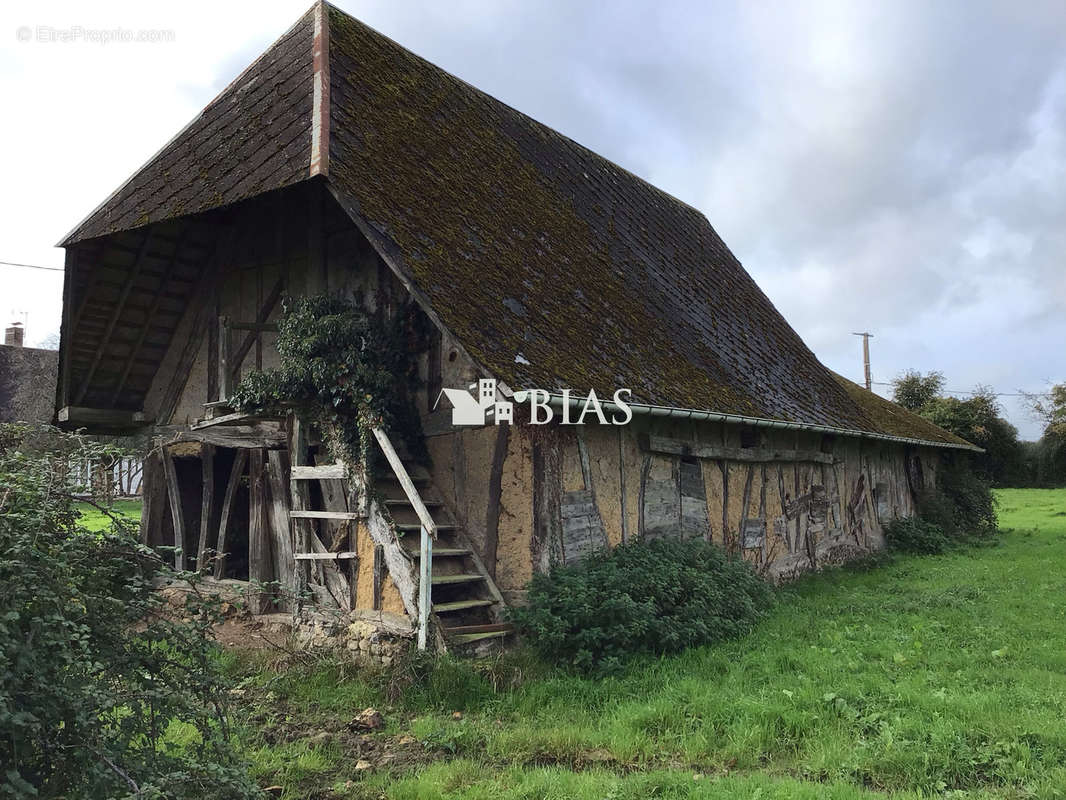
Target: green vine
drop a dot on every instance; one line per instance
(345, 369)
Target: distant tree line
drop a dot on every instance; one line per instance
(1007, 461)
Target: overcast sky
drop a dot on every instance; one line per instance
(897, 167)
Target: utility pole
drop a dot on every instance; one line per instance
(866, 358)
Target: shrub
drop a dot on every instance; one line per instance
(970, 495)
(916, 535)
(962, 505)
(643, 597)
(104, 690)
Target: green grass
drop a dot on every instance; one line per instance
(93, 519)
(926, 676)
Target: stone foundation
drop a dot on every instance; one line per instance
(376, 637)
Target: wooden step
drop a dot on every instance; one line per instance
(344, 515)
(442, 552)
(415, 527)
(446, 580)
(318, 473)
(235, 418)
(467, 638)
(325, 556)
(492, 627)
(460, 605)
(417, 480)
(405, 503)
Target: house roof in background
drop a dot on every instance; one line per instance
(27, 383)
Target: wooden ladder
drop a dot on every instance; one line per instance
(403, 506)
(313, 556)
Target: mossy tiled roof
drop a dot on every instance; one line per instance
(552, 265)
(253, 138)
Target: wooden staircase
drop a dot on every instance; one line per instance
(452, 594)
(466, 604)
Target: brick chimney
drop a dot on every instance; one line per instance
(14, 334)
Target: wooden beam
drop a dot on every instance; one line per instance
(680, 447)
(66, 332)
(347, 554)
(335, 500)
(284, 563)
(266, 435)
(148, 319)
(198, 311)
(177, 513)
(101, 416)
(336, 515)
(299, 500)
(261, 317)
(207, 503)
(492, 516)
(116, 312)
(153, 498)
(259, 561)
(379, 575)
(236, 471)
(336, 583)
(225, 372)
(318, 473)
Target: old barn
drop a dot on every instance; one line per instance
(340, 162)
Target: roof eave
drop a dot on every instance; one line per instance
(556, 399)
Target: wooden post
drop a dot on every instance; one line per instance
(67, 329)
(379, 576)
(284, 560)
(227, 507)
(425, 590)
(177, 514)
(207, 503)
(224, 370)
(153, 492)
(299, 501)
(258, 543)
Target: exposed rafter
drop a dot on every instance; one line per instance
(115, 314)
(150, 314)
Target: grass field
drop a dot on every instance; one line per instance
(93, 519)
(939, 676)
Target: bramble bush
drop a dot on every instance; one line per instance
(915, 535)
(97, 673)
(657, 596)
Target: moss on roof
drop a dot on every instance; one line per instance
(554, 267)
(534, 249)
(893, 419)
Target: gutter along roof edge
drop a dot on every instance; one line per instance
(556, 399)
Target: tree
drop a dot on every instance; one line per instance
(976, 419)
(1049, 454)
(913, 391)
(96, 670)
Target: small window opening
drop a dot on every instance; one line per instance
(749, 437)
(828, 442)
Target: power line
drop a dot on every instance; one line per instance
(31, 266)
(970, 391)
